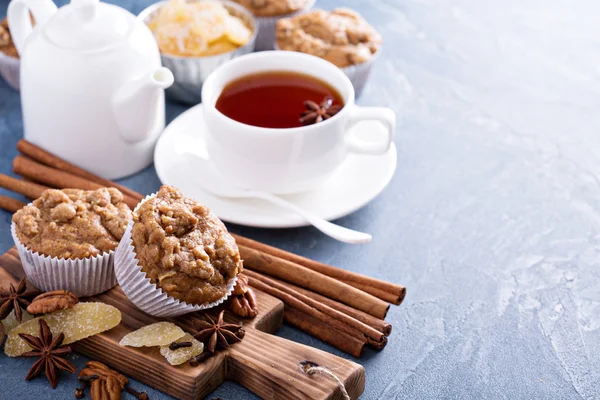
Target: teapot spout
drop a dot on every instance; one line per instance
(135, 105)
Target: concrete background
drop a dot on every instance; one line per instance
(492, 220)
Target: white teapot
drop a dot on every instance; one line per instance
(92, 85)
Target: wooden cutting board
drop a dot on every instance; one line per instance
(263, 363)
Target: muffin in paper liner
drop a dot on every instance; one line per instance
(83, 276)
(146, 295)
(9, 69)
(358, 73)
(266, 38)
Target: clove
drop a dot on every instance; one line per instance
(138, 395)
(194, 361)
(176, 345)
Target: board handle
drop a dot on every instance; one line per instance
(270, 367)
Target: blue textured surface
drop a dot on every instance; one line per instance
(492, 220)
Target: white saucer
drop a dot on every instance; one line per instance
(356, 182)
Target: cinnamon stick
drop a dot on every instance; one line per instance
(293, 298)
(28, 189)
(376, 323)
(315, 281)
(11, 205)
(391, 298)
(56, 178)
(292, 302)
(314, 327)
(387, 291)
(42, 156)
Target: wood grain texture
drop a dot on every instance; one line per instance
(265, 364)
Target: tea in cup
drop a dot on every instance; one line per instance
(281, 122)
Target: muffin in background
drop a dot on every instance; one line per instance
(176, 256)
(9, 57)
(268, 12)
(66, 239)
(341, 37)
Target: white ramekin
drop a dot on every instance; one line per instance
(9, 69)
(190, 72)
(144, 294)
(84, 277)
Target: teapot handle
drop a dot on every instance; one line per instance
(19, 21)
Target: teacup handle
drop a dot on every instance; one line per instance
(384, 115)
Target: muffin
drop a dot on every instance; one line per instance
(341, 37)
(9, 57)
(268, 12)
(176, 256)
(66, 238)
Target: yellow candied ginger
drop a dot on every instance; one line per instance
(182, 354)
(11, 322)
(157, 334)
(196, 29)
(79, 322)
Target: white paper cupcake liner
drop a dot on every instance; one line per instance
(145, 295)
(358, 74)
(265, 40)
(9, 69)
(84, 277)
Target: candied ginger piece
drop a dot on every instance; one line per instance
(209, 27)
(158, 334)
(219, 47)
(237, 32)
(79, 322)
(178, 40)
(182, 354)
(190, 29)
(173, 11)
(11, 322)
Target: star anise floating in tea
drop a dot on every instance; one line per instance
(316, 113)
(13, 299)
(50, 352)
(218, 335)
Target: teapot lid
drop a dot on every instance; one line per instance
(89, 25)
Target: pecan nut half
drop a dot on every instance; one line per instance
(243, 301)
(108, 385)
(241, 286)
(49, 302)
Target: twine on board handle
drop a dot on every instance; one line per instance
(311, 368)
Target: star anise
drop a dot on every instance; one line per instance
(12, 299)
(50, 352)
(218, 334)
(316, 113)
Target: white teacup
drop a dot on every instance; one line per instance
(292, 160)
